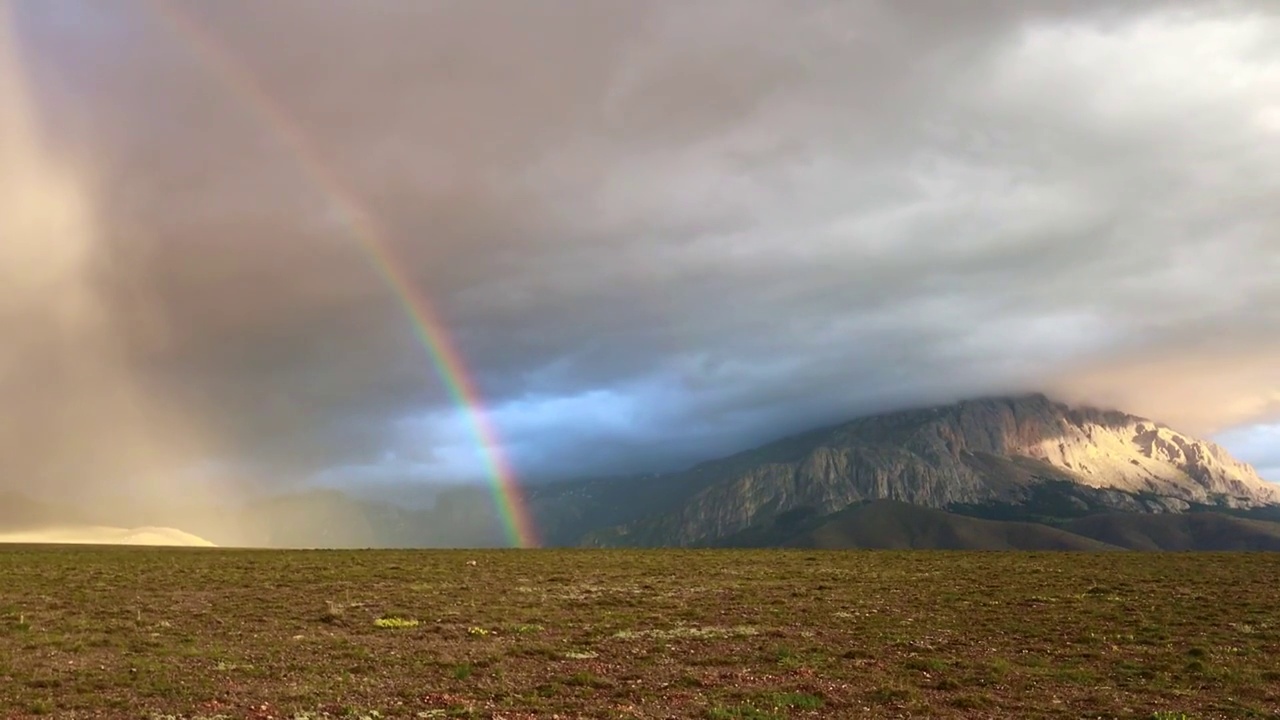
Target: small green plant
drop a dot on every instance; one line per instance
(691, 681)
(892, 694)
(462, 672)
(925, 664)
(396, 623)
(796, 700)
(969, 701)
(586, 679)
(948, 683)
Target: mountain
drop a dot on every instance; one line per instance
(564, 511)
(1019, 472)
(1002, 458)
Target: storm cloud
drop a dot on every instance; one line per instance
(657, 232)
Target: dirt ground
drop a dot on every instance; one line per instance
(133, 632)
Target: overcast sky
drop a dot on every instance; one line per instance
(657, 232)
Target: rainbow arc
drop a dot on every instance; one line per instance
(430, 331)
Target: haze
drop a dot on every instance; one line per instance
(655, 232)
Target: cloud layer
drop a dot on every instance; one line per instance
(660, 231)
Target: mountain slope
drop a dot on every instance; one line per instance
(893, 525)
(1193, 531)
(896, 525)
(989, 452)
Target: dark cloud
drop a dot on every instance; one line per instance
(662, 231)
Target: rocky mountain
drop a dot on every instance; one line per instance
(991, 456)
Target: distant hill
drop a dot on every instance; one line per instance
(1192, 531)
(1010, 458)
(460, 517)
(98, 535)
(894, 525)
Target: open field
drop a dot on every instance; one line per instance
(145, 632)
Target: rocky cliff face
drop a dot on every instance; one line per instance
(974, 452)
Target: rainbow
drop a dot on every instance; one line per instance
(430, 332)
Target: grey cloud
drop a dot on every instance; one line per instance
(736, 219)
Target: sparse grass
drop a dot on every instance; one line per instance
(763, 635)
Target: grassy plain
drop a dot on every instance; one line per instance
(89, 632)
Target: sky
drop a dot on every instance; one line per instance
(654, 232)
